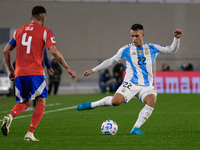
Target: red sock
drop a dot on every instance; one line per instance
(36, 117)
(18, 109)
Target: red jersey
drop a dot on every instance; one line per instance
(30, 42)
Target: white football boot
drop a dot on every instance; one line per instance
(30, 137)
(7, 120)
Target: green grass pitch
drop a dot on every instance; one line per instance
(174, 125)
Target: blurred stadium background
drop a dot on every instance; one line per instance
(89, 31)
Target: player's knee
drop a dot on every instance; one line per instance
(28, 102)
(40, 101)
(117, 99)
(116, 102)
(150, 101)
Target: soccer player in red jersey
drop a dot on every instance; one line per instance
(30, 83)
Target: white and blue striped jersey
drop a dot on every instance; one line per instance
(139, 61)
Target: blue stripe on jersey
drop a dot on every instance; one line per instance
(142, 64)
(12, 42)
(153, 52)
(127, 55)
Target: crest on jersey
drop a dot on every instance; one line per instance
(140, 52)
(53, 40)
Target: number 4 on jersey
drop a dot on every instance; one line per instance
(28, 43)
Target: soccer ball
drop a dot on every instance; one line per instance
(109, 127)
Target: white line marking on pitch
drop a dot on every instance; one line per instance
(46, 112)
(48, 105)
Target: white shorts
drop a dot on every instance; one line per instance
(129, 90)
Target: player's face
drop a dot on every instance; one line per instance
(137, 37)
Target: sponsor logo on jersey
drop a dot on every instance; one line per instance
(134, 53)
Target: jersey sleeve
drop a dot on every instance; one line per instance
(109, 62)
(46, 60)
(13, 40)
(49, 38)
(173, 48)
(118, 57)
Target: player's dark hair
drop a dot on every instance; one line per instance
(136, 27)
(38, 10)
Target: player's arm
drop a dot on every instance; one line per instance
(7, 55)
(59, 58)
(173, 48)
(47, 63)
(105, 64)
(46, 60)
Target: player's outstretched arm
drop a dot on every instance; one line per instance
(58, 57)
(88, 72)
(178, 33)
(173, 48)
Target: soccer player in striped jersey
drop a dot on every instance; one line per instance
(138, 80)
(30, 83)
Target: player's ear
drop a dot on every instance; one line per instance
(43, 19)
(142, 34)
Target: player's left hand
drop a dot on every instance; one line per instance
(178, 33)
(72, 73)
(50, 71)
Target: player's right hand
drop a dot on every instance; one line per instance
(88, 72)
(12, 76)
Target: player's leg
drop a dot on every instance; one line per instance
(39, 90)
(115, 100)
(36, 118)
(123, 93)
(106, 101)
(7, 120)
(19, 107)
(22, 95)
(149, 98)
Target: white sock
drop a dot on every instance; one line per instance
(143, 115)
(106, 101)
(11, 116)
